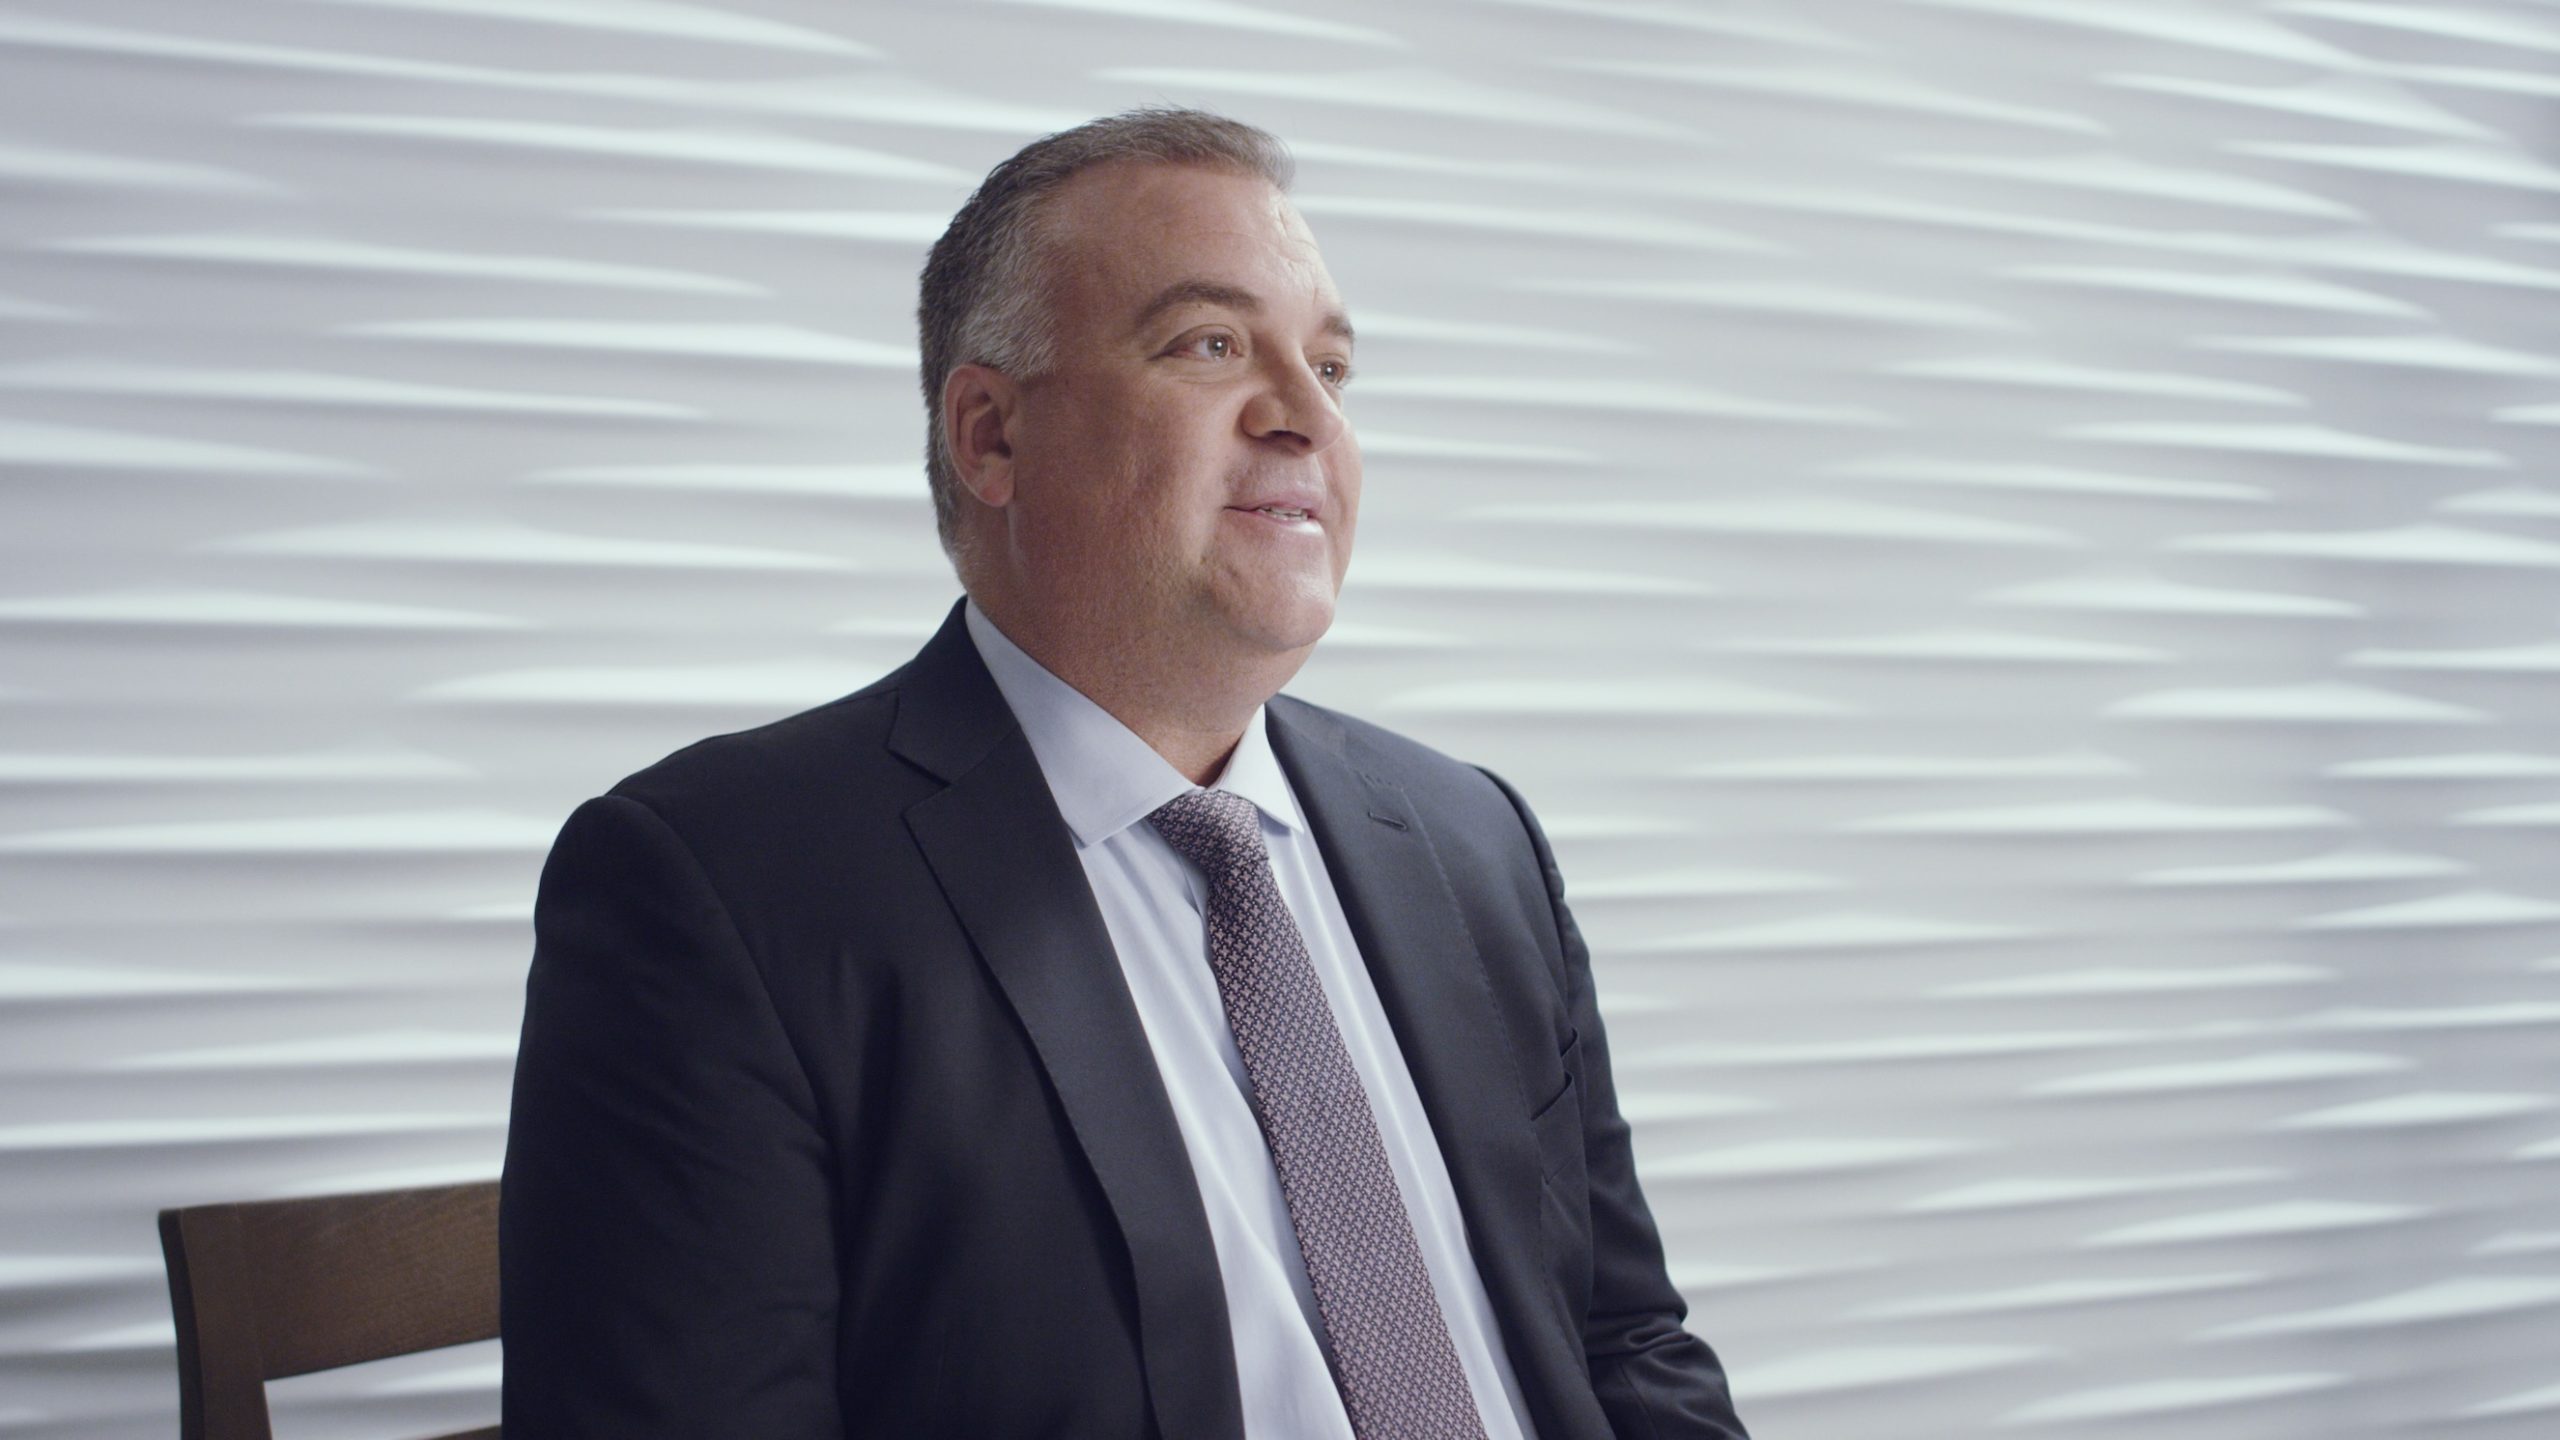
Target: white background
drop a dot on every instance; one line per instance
(2011, 542)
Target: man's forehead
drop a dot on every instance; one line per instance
(1141, 226)
(1125, 208)
(1132, 188)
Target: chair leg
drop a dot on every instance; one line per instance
(222, 1390)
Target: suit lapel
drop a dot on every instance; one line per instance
(1431, 980)
(1007, 863)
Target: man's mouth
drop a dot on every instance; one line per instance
(1279, 512)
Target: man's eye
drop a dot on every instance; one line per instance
(1335, 372)
(1213, 347)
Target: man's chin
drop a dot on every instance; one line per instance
(1288, 626)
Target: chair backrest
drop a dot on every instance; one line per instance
(271, 1288)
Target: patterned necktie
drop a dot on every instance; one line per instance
(1390, 1348)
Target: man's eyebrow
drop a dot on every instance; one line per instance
(1234, 297)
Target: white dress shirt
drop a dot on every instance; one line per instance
(1107, 781)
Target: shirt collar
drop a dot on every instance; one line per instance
(1104, 778)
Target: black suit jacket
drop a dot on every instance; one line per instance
(833, 1116)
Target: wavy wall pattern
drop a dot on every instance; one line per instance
(2011, 541)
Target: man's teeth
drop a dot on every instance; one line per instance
(1275, 510)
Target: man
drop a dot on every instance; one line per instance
(1068, 1035)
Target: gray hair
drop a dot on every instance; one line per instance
(982, 296)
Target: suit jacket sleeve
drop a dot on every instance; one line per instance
(665, 1231)
(1654, 1379)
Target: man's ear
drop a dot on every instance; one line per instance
(978, 406)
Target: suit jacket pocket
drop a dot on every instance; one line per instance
(1564, 1193)
(1558, 1121)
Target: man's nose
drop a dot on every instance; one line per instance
(1295, 408)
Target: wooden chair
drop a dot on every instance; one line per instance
(285, 1287)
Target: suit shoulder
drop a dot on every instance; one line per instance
(771, 768)
(1483, 834)
(1428, 774)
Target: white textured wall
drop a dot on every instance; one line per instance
(2011, 541)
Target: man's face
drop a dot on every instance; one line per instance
(1186, 462)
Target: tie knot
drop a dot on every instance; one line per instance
(1213, 829)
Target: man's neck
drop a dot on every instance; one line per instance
(1190, 708)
